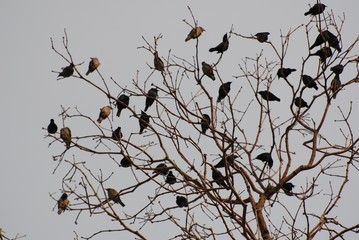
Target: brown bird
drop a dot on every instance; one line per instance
(65, 135)
(52, 128)
(262, 36)
(62, 203)
(335, 85)
(299, 102)
(93, 65)
(181, 201)
(104, 113)
(117, 134)
(126, 162)
(323, 53)
(67, 71)
(158, 62)
(222, 47)
(113, 195)
(208, 70)
(267, 95)
(223, 91)
(284, 72)
(122, 102)
(317, 8)
(309, 82)
(206, 120)
(144, 121)
(195, 33)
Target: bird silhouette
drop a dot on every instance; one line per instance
(208, 70)
(206, 120)
(285, 72)
(161, 169)
(62, 203)
(126, 162)
(181, 201)
(104, 113)
(309, 82)
(65, 135)
(93, 65)
(322, 37)
(323, 53)
(67, 71)
(267, 95)
(113, 195)
(230, 160)
(266, 158)
(122, 102)
(157, 61)
(222, 47)
(317, 8)
(151, 96)
(333, 41)
(335, 85)
(144, 121)
(52, 128)
(219, 178)
(262, 36)
(194, 33)
(170, 179)
(223, 91)
(337, 69)
(299, 102)
(288, 187)
(117, 134)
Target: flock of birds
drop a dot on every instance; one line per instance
(162, 169)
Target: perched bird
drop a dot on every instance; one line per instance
(170, 179)
(157, 61)
(318, 8)
(223, 91)
(288, 187)
(113, 195)
(181, 201)
(62, 203)
(337, 69)
(117, 134)
(267, 95)
(323, 53)
(333, 41)
(144, 121)
(93, 65)
(52, 128)
(194, 33)
(309, 82)
(230, 160)
(122, 102)
(206, 120)
(104, 113)
(208, 70)
(335, 85)
(67, 71)
(219, 178)
(284, 72)
(222, 47)
(321, 38)
(151, 96)
(161, 169)
(266, 158)
(299, 102)
(262, 36)
(65, 135)
(126, 162)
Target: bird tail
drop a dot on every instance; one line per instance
(118, 113)
(146, 107)
(99, 120)
(306, 14)
(212, 49)
(88, 72)
(187, 38)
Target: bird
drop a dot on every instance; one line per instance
(67, 71)
(285, 72)
(126, 162)
(262, 36)
(267, 95)
(170, 179)
(299, 102)
(157, 61)
(65, 135)
(309, 82)
(52, 128)
(288, 187)
(317, 8)
(223, 91)
(321, 38)
(333, 41)
(122, 102)
(104, 113)
(323, 53)
(151, 96)
(62, 203)
(93, 65)
(206, 120)
(117, 134)
(161, 169)
(113, 195)
(335, 85)
(230, 160)
(181, 201)
(219, 178)
(222, 47)
(208, 70)
(266, 158)
(337, 69)
(144, 121)
(194, 33)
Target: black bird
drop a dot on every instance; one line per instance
(321, 38)
(288, 187)
(299, 102)
(230, 160)
(323, 53)
(157, 61)
(67, 71)
(318, 8)
(337, 69)
(208, 70)
(267, 95)
(170, 179)
(117, 134)
(284, 72)
(65, 135)
(219, 178)
(113, 195)
(206, 120)
(309, 82)
(335, 85)
(52, 128)
(151, 96)
(144, 121)
(223, 91)
(181, 201)
(161, 169)
(126, 162)
(222, 47)
(333, 41)
(266, 158)
(122, 102)
(262, 36)
(62, 203)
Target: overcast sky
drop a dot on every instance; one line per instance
(112, 31)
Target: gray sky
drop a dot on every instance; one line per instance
(111, 31)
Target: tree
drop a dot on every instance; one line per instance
(245, 196)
